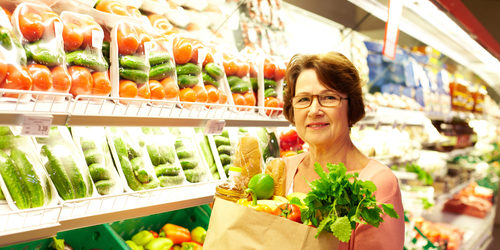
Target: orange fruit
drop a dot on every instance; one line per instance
(61, 80)
(250, 98)
(128, 89)
(187, 95)
(222, 97)
(144, 92)
(238, 99)
(183, 50)
(212, 94)
(157, 90)
(271, 102)
(201, 93)
(171, 88)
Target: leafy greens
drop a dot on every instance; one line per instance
(338, 201)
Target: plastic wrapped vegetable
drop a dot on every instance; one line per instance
(237, 69)
(214, 78)
(271, 86)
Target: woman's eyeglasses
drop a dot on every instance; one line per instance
(325, 100)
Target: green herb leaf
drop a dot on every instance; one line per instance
(389, 209)
(341, 228)
(322, 225)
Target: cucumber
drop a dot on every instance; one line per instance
(13, 180)
(268, 83)
(214, 71)
(188, 69)
(99, 172)
(167, 181)
(6, 141)
(255, 84)
(44, 53)
(30, 178)
(166, 169)
(137, 163)
(75, 176)
(209, 80)
(87, 59)
(215, 175)
(143, 175)
(58, 175)
(233, 80)
(161, 71)
(225, 159)
(121, 147)
(152, 184)
(167, 153)
(2, 196)
(241, 87)
(270, 92)
(136, 75)
(178, 144)
(225, 133)
(128, 172)
(221, 140)
(105, 49)
(86, 145)
(188, 163)
(4, 130)
(133, 62)
(154, 155)
(183, 153)
(193, 175)
(93, 156)
(186, 81)
(226, 168)
(156, 58)
(104, 186)
(224, 149)
(207, 152)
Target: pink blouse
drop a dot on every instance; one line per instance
(390, 233)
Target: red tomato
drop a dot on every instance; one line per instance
(102, 84)
(3, 71)
(208, 59)
(230, 67)
(31, 26)
(196, 46)
(271, 102)
(144, 91)
(243, 69)
(41, 77)
(128, 89)
(61, 80)
(289, 211)
(81, 81)
(280, 72)
(128, 39)
(72, 36)
(113, 7)
(183, 50)
(269, 69)
(16, 79)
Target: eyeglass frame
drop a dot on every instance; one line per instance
(319, 102)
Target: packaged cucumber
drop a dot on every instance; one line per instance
(65, 164)
(83, 42)
(237, 68)
(41, 33)
(191, 159)
(24, 181)
(162, 153)
(131, 159)
(216, 169)
(223, 147)
(214, 78)
(15, 75)
(93, 145)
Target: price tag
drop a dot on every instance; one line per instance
(214, 127)
(36, 125)
(97, 37)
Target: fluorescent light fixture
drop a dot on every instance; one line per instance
(424, 21)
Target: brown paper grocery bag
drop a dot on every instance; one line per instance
(234, 226)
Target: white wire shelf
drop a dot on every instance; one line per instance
(394, 116)
(40, 223)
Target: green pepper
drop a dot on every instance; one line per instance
(134, 246)
(142, 238)
(198, 234)
(191, 246)
(159, 244)
(261, 186)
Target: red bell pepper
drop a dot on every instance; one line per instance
(289, 211)
(155, 234)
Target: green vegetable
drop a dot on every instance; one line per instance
(152, 184)
(87, 59)
(178, 144)
(5, 39)
(224, 149)
(99, 172)
(93, 156)
(269, 84)
(6, 141)
(13, 180)
(133, 62)
(193, 175)
(159, 244)
(198, 234)
(214, 71)
(188, 163)
(134, 246)
(337, 201)
(44, 53)
(422, 175)
(261, 186)
(272, 148)
(184, 153)
(142, 238)
(156, 58)
(29, 177)
(188, 69)
(255, 84)
(104, 186)
(207, 79)
(167, 181)
(128, 172)
(270, 92)
(75, 176)
(160, 154)
(186, 81)
(166, 169)
(135, 75)
(137, 163)
(161, 71)
(86, 145)
(143, 175)
(207, 152)
(5, 130)
(105, 49)
(225, 159)
(225, 133)
(2, 197)
(241, 87)
(58, 175)
(233, 80)
(221, 140)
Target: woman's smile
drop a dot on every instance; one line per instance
(317, 125)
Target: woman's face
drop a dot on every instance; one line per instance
(318, 125)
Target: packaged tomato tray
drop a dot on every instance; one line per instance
(83, 43)
(24, 181)
(40, 30)
(272, 85)
(214, 78)
(237, 68)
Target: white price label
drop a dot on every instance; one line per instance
(97, 37)
(36, 125)
(214, 127)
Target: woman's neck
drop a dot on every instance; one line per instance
(341, 151)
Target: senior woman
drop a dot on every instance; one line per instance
(323, 99)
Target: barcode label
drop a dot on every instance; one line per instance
(214, 127)
(36, 125)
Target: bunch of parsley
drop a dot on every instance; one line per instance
(338, 201)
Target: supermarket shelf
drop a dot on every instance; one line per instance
(393, 116)
(103, 209)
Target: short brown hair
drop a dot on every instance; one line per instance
(335, 71)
